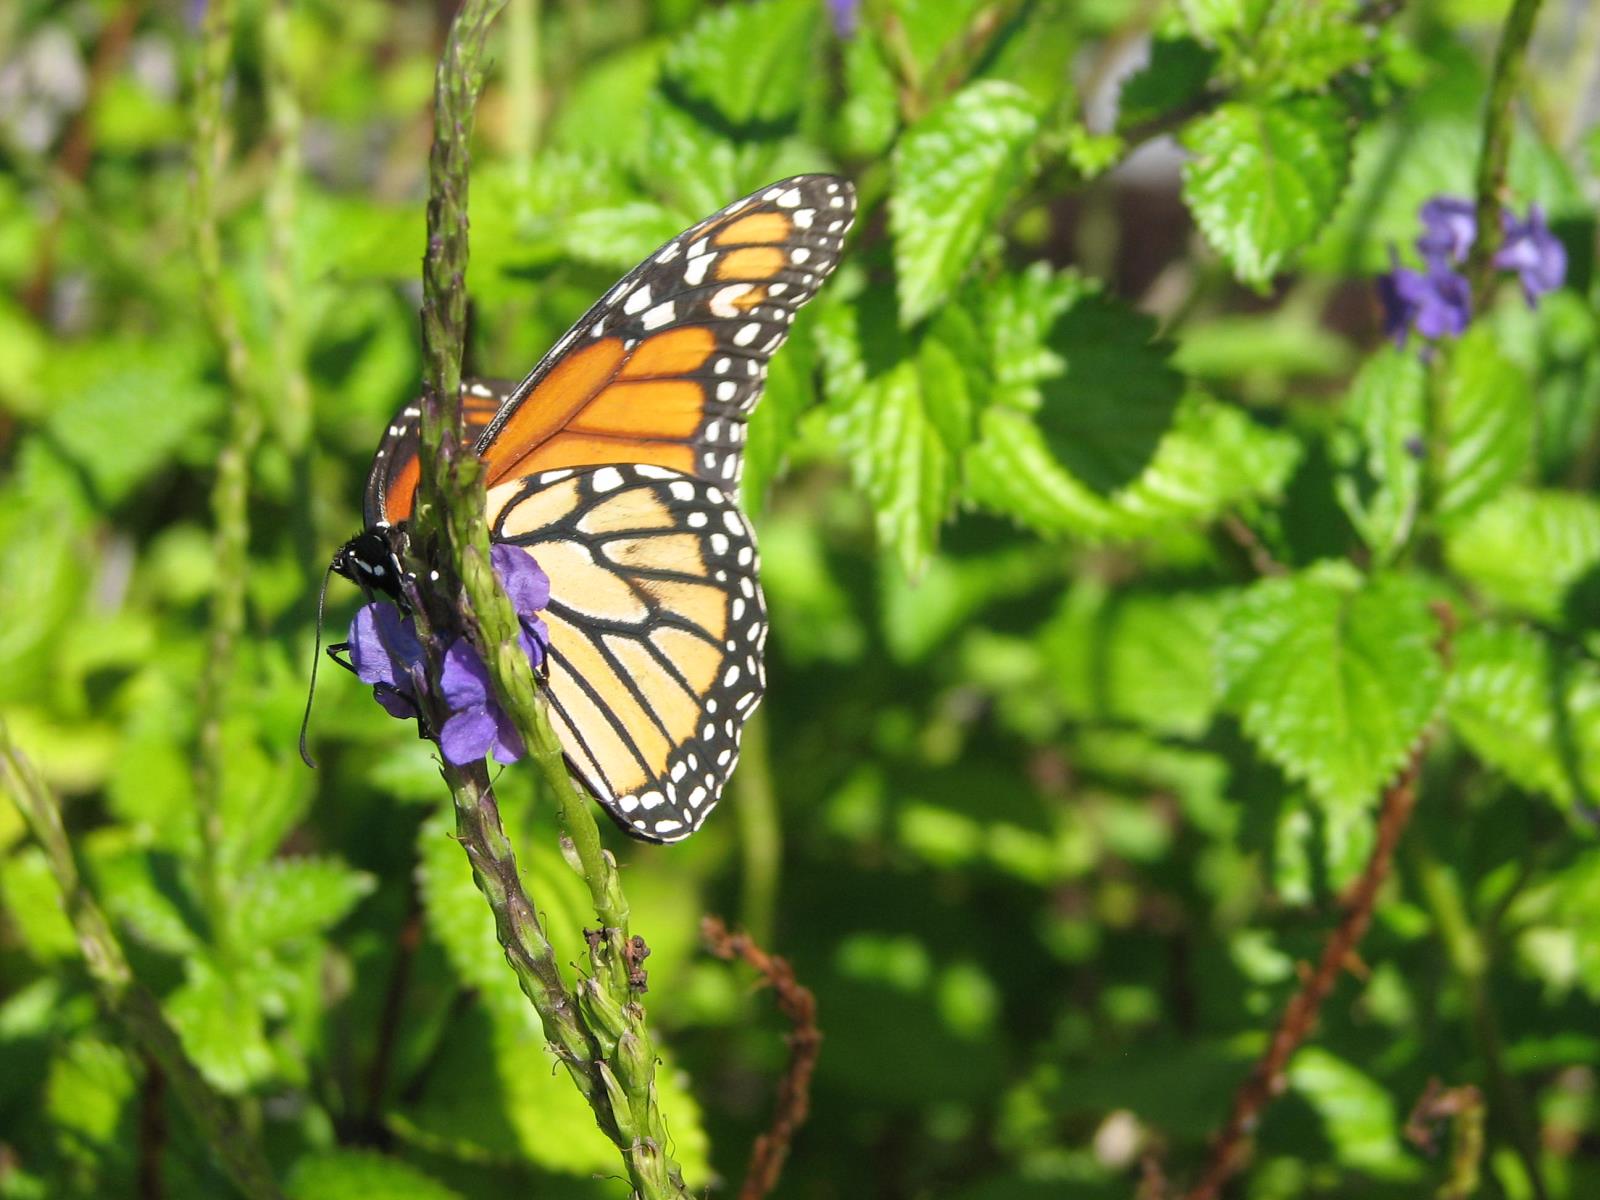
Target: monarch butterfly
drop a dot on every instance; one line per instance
(616, 465)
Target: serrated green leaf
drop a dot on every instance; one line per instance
(33, 905)
(361, 1175)
(1177, 72)
(932, 27)
(954, 172)
(1484, 425)
(751, 62)
(88, 1090)
(1301, 47)
(1528, 710)
(1332, 678)
(216, 1016)
(622, 236)
(123, 408)
(1379, 450)
(1358, 1116)
(1525, 549)
(870, 112)
(1212, 458)
(293, 898)
(904, 416)
(789, 391)
(1265, 179)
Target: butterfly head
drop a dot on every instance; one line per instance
(369, 561)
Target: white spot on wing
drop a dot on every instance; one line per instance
(607, 479)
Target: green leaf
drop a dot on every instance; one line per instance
(904, 423)
(295, 898)
(1378, 450)
(790, 390)
(1485, 425)
(1332, 678)
(1358, 1115)
(1525, 549)
(870, 113)
(751, 62)
(87, 1094)
(33, 905)
(1528, 709)
(361, 1175)
(1212, 458)
(1091, 370)
(1178, 71)
(123, 408)
(1215, 20)
(1265, 179)
(216, 1016)
(622, 236)
(1301, 47)
(954, 172)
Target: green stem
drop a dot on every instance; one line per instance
(522, 77)
(230, 493)
(606, 1046)
(1498, 121)
(238, 1151)
(1470, 960)
(291, 413)
(760, 834)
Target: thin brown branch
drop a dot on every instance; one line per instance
(1266, 1080)
(1462, 1107)
(795, 1002)
(1261, 559)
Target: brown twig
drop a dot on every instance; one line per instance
(1463, 1108)
(1261, 559)
(1266, 1080)
(795, 1002)
(152, 1130)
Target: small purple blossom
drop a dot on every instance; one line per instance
(1436, 303)
(1449, 226)
(477, 725)
(1533, 252)
(385, 652)
(844, 14)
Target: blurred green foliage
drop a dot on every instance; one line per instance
(1101, 536)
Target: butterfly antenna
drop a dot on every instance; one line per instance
(316, 657)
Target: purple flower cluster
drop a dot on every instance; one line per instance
(844, 14)
(385, 652)
(1436, 302)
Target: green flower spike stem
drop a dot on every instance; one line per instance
(1498, 121)
(455, 586)
(129, 1002)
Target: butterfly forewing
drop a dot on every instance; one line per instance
(392, 485)
(666, 368)
(656, 630)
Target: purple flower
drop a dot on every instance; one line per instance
(1436, 304)
(1533, 252)
(844, 14)
(384, 651)
(477, 725)
(1449, 226)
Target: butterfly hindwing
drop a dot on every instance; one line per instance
(667, 367)
(657, 624)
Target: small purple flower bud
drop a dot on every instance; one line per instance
(1535, 253)
(1450, 225)
(477, 725)
(1436, 304)
(844, 14)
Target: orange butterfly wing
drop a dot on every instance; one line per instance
(666, 368)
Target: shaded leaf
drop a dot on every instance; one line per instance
(751, 62)
(1380, 450)
(1526, 549)
(1485, 424)
(361, 1175)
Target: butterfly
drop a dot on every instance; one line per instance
(616, 463)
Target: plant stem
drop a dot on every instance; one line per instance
(760, 835)
(601, 1036)
(291, 413)
(1498, 121)
(237, 1150)
(230, 494)
(1470, 960)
